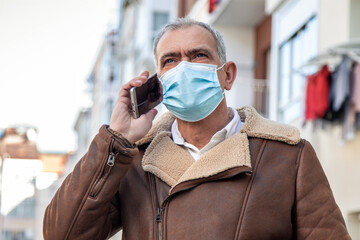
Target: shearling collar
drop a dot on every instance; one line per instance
(174, 165)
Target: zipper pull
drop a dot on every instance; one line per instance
(111, 159)
(158, 215)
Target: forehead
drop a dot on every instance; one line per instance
(185, 38)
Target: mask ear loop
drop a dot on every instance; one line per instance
(220, 67)
(223, 92)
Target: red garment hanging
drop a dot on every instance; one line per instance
(212, 5)
(317, 94)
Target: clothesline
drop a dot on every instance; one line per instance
(334, 96)
(332, 57)
(353, 54)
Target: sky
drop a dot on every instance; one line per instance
(47, 51)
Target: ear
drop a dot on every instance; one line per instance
(230, 74)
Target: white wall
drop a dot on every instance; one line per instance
(271, 5)
(200, 11)
(355, 19)
(239, 42)
(339, 22)
(334, 23)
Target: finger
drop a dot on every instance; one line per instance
(136, 82)
(150, 115)
(145, 73)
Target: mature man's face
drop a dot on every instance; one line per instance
(192, 44)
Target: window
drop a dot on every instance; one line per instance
(26, 209)
(17, 235)
(159, 20)
(293, 53)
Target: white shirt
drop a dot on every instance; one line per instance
(230, 129)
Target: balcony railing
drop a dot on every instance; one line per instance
(261, 96)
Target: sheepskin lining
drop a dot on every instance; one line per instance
(174, 165)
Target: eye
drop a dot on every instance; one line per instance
(199, 55)
(170, 60)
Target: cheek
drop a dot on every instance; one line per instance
(221, 77)
(161, 70)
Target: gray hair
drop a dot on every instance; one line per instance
(187, 22)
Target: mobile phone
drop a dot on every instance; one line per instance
(146, 97)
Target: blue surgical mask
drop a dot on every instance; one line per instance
(192, 91)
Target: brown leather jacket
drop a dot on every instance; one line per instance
(262, 183)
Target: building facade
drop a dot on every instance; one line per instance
(306, 35)
(25, 176)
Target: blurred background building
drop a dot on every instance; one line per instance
(26, 176)
(277, 46)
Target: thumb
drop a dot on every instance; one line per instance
(145, 73)
(150, 115)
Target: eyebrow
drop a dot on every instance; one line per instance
(169, 54)
(192, 51)
(200, 49)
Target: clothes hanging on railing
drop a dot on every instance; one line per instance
(335, 96)
(339, 91)
(355, 90)
(352, 104)
(341, 85)
(317, 94)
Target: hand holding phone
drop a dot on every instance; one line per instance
(122, 120)
(146, 97)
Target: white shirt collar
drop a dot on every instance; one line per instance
(229, 130)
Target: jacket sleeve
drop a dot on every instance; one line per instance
(85, 206)
(317, 214)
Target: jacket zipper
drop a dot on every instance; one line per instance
(105, 172)
(158, 210)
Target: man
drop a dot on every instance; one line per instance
(203, 171)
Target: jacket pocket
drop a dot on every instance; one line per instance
(99, 183)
